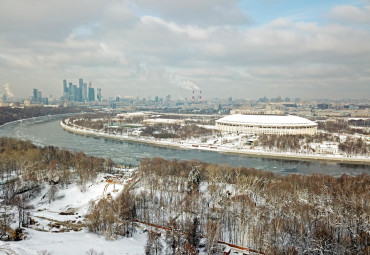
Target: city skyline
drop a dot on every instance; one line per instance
(242, 49)
(82, 93)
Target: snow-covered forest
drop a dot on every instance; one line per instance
(25, 168)
(294, 214)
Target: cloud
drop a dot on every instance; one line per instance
(151, 47)
(200, 12)
(351, 14)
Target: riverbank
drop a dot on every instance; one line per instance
(11, 114)
(41, 116)
(199, 146)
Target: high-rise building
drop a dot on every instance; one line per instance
(168, 99)
(91, 94)
(35, 93)
(70, 91)
(98, 94)
(79, 94)
(74, 93)
(79, 91)
(37, 96)
(65, 89)
(84, 92)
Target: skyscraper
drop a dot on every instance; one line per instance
(70, 91)
(37, 96)
(79, 91)
(91, 94)
(98, 94)
(84, 92)
(74, 93)
(65, 90)
(35, 93)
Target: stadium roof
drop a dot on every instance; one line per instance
(266, 120)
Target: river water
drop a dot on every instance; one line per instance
(46, 130)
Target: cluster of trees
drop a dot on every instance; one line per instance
(340, 126)
(24, 167)
(132, 120)
(91, 120)
(281, 142)
(351, 146)
(8, 114)
(185, 239)
(294, 214)
(96, 124)
(176, 131)
(354, 146)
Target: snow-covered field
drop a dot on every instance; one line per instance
(56, 233)
(73, 243)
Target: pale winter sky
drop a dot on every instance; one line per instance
(243, 49)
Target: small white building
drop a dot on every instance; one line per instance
(266, 124)
(327, 148)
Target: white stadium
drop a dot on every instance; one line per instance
(266, 124)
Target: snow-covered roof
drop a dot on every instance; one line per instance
(164, 121)
(266, 120)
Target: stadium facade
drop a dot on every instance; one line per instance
(266, 124)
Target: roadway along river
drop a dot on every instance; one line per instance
(47, 131)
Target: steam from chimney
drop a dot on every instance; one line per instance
(188, 85)
(9, 94)
(185, 84)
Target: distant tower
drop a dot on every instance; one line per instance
(193, 96)
(84, 92)
(70, 91)
(80, 90)
(98, 94)
(35, 94)
(65, 90)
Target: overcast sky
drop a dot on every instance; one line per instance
(243, 49)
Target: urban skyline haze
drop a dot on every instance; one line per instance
(243, 49)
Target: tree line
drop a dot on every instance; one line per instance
(8, 114)
(343, 126)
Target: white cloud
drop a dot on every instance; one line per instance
(352, 14)
(200, 12)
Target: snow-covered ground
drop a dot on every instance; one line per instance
(56, 233)
(70, 243)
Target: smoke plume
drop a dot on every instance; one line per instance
(185, 84)
(9, 94)
(189, 85)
